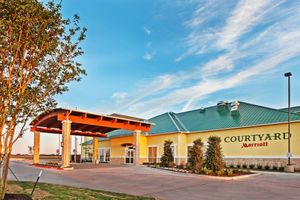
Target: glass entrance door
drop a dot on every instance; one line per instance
(129, 155)
(104, 155)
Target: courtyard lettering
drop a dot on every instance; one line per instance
(256, 140)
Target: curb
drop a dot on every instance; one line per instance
(232, 178)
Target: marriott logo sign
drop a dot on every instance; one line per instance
(256, 140)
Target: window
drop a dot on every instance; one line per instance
(189, 147)
(173, 147)
(152, 154)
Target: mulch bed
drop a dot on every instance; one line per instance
(235, 173)
(47, 166)
(17, 197)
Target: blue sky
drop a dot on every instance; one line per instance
(144, 58)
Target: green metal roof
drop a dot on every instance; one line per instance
(295, 109)
(247, 115)
(89, 142)
(164, 123)
(213, 118)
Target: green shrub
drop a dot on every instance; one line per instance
(213, 156)
(229, 172)
(167, 159)
(267, 167)
(196, 156)
(207, 171)
(231, 166)
(52, 163)
(181, 166)
(220, 173)
(275, 168)
(259, 166)
(281, 169)
(244, 166)
(238, 166)
(251, 166)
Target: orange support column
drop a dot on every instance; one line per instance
(95, 150)
(66, 150)
(36, 148)
(137, 139)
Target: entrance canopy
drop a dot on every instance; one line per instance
(86, 124)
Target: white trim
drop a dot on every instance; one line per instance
(173, 122)
(126, 148)
(266, 157)
(180, 122)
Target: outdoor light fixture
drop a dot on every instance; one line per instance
(288, 75)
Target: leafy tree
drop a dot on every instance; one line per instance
(30, 150)
(38, 51)
(213, 157)
(167, 159)
(196, 156)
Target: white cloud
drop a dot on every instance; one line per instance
(243, 18)
(148, 55)
(204, 12)
(253, 57)
(147, 30)
(224, 62)
(119, 96)
(187, 106)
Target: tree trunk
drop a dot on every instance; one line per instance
(1, 145)
(5, 160)
(5, 165)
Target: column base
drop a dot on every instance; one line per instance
(67, 168)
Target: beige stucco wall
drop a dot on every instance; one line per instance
(234, 151)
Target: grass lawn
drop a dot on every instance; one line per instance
(52, 191)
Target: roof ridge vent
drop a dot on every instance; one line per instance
(235, 107)
(222, 103)
(202, 109)
(222, 107)
(235, 103)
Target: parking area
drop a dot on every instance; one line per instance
(164, 184)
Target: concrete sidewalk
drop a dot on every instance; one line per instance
(165, 184)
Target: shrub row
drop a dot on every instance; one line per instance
(259, 167)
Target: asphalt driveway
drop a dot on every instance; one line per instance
(166, 185)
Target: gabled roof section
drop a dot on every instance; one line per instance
(295, 109)
(179, 125)
(248, 115)
(165, 123)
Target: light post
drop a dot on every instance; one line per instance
(288, 75)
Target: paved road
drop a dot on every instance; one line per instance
(167, 185)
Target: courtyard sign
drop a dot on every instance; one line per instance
(261, 140)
